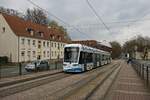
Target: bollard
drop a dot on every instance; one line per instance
(147, 75)
(20, 69)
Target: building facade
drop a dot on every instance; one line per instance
(23, 41)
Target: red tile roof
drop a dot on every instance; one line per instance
(19, 27)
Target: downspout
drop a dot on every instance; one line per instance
(18, 50)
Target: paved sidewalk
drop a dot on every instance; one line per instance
(128, 86)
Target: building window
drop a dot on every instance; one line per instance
(53, 37)
(29, 53)
(28, 42)
(60, 38)
(55, 53)
(22, 41)
(39, 42)
(34, 42)
(47, 53)
(44, 44)
(33, 54)
(55, 45)
(31, 31)
(47, 44)
(23, 53)
(39, 46)
(52, 53)
(52, 44)
(3, 29)
(40, 34)
(58, 46)
(44, 53)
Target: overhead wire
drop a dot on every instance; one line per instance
(99, 17)
(51, 14)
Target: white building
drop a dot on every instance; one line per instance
(23, 41)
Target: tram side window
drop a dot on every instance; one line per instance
(82, 58)
(85, 58)
(94, 57)
(89, 57)
(100, 57)
(103, 57)
(97, 57)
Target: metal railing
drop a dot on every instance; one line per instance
(10, 70)
(143, 69)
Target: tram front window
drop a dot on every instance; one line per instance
(71, 54)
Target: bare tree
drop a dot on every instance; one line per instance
(116, 49)
(54, 24)
(10, 11)
(36, 16)
(142, 44)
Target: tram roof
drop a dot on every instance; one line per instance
(83, 47)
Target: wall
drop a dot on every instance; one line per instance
(8, 41)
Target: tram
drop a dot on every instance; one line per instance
(81, 58)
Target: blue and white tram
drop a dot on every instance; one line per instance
(79, 58)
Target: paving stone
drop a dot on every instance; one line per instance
(128, 86)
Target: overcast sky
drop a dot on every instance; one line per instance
(79, 14)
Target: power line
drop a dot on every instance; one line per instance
(56, 17)
(138, 20)
(48, 12)
(99, 17)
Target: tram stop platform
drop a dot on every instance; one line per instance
(128, 86)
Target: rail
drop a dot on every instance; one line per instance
(143, 69)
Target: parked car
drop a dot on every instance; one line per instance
(37, 65)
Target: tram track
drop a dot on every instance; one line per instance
(96, 88)
(28, 84)
(16, 81)
(87, 90)
(72, 90)
(53, 82)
